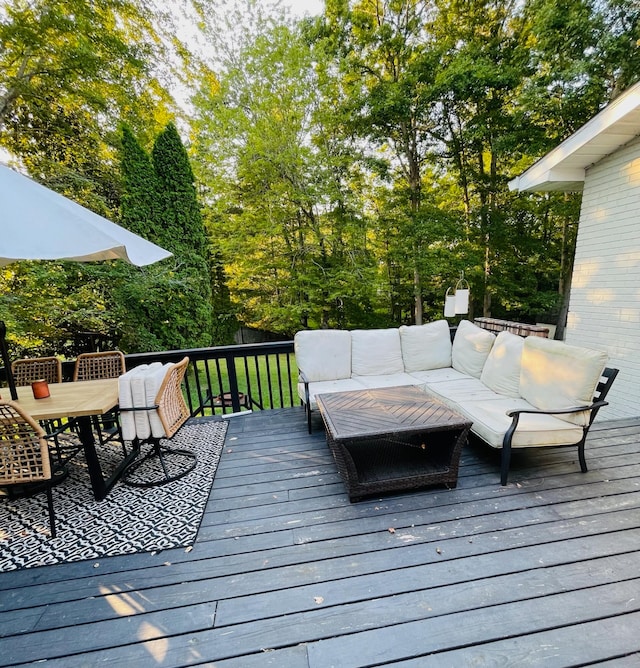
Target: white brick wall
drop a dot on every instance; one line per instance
(604, 309)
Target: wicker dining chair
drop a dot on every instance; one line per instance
(24, 454)
(162, 464)
(25, 371)
(96, 366)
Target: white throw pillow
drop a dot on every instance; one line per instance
(323, 354)
(471, 347)
(426, 347)
(501, 371)
(556, 375)
(375, 352)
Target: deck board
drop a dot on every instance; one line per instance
(286, 572)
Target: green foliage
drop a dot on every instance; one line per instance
(350, 167)
(168, 306)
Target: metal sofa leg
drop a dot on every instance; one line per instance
(506, 461)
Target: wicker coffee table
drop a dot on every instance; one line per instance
(392, 439)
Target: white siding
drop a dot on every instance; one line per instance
(604, 310)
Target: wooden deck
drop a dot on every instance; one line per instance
(287, 573)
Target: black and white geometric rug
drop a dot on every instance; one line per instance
(129, 520)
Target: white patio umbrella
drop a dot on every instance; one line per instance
(37, 223)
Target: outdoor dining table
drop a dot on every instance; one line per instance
(80, 400)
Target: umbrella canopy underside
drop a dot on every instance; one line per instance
(39, 224)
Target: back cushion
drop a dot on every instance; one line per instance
(555, 375)
(471, 347)
(375, 352)
(426, 347)
(501, 371)
(323, 354)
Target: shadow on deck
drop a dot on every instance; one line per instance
(287, 573)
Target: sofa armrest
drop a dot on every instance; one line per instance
(576, 409)
(515, 417)
(302, 378)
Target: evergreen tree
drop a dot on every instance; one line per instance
(180, 216)
(138, 202)
(167, 305)
(180, 229)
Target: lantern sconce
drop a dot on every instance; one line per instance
(457, 303)
(449, 304)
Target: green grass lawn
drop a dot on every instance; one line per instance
(260, 381)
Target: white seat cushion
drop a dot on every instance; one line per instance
(501, 371)
(139, 398)
(490, 423)
(388, 380)
(438, 375)
(471, 347)
(426, 346)
(375, 352)
(555, 375)
(462, 390)
(125, 400)
(326, 386)
(323, 354)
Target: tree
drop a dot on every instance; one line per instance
(165, 306)
(278, 186)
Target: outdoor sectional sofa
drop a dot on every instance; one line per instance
(518, 392)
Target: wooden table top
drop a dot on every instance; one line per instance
(383, 411)
(81, 398)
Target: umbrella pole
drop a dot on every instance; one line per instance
(6, 362)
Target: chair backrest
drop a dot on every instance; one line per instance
(24, 454)
(172, 408)
(25, 371)
(95, 366)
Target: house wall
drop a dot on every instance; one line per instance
(604, 306)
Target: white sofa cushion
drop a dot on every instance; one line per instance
(438, 375)
(555, 375)
(490, 422)
(326, 386)
(387, 380)
(461, 390)
(471, 347)
(426, 346)
(501, 371)
(375, 352)
(323, 354)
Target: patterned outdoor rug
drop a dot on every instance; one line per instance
(130, 519)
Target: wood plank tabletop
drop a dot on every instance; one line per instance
(80, 398)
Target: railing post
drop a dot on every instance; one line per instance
(233, 384)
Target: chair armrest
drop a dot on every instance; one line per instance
(302, 377)
(139, 408)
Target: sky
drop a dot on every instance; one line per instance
(302, 7)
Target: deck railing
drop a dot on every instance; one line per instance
(229, 379)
